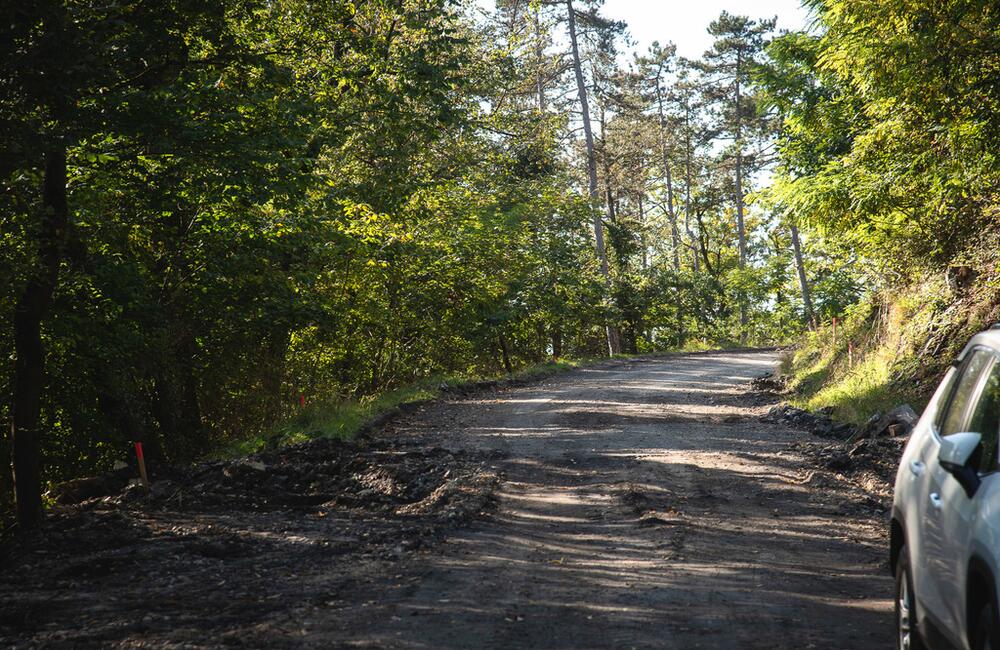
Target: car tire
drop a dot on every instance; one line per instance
(907, 635)
(986, 632)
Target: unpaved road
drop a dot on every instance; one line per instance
(644, 504)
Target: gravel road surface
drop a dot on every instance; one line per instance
(645, 505)
(634, 504)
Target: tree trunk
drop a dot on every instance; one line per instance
(595, 197)
(505, 352)
(703, 246)
(642, 232)
(671, 213)
(803, 281)
(274, 351)
(29, 364)
(557, 342)
(176, 405)
(668, 177)
(687, 187)
(740, 227)
(539, 51)
(741, 234)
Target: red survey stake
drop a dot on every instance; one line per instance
(142, 466)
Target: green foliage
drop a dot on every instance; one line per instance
(887, 350)
(342, 419)
(346, 201)
(890, 130)
(890, 117)
(274, 199)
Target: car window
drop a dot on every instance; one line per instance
(953, 420)
(985, 419)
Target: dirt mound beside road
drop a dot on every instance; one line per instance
(229, 549)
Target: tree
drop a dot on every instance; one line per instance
(737, 49)
(886, 128)
(64, 82)
(588, 135)
(684, 95)
(209, 210)
(800, 270)
(654, 70)
(179, 152)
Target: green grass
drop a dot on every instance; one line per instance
(856, 394)
(342, 419)
(823, 373)
(879, 358)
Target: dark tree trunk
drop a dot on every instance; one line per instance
(702, 246)
(29, 364)
(632, 340)
(505, 351)
(275, 352)
(176, 405)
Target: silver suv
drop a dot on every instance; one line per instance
(945, 547)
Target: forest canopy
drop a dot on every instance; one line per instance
(211, 211)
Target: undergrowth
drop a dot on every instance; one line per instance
(888, 350)
(342, 419)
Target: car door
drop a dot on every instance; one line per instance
(933, 568)
(951, 512)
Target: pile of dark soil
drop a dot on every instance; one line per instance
(819, 423)
(763, 391)
(769, 383)
(867, 455)
(870, 462)
(225, 546)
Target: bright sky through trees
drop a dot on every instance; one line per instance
(685, 22)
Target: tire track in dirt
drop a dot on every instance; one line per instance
(645, 504)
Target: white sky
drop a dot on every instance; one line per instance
(685, 21)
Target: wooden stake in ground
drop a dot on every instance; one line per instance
(142, 466)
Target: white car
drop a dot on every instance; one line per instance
(945, 530)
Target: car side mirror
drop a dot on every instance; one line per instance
(958, 456)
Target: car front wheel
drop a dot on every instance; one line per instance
(907, 637)
(985, 637)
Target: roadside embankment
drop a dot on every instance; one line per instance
(863, 382)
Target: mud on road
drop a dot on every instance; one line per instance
(643, 504)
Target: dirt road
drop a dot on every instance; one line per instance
(644, 504)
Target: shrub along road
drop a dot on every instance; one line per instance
(644, 503)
